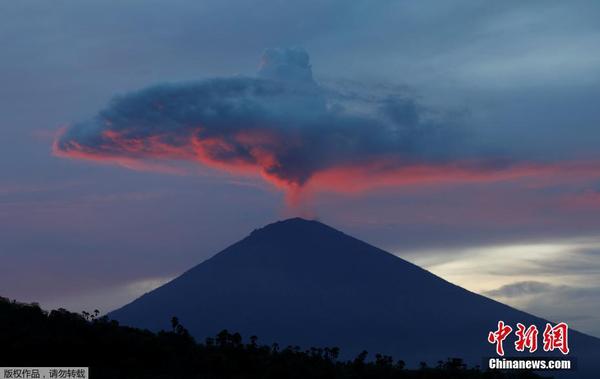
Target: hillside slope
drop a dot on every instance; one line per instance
(303, 283)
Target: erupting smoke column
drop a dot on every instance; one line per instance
(297, 134)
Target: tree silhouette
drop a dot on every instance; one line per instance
(30, 336)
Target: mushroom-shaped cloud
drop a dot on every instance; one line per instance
(283, 125)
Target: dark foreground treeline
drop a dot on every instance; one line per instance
(30, 336)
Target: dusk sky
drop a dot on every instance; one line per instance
(139, 138)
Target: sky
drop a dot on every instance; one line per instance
(139, 138)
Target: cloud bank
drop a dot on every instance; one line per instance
(286, 127)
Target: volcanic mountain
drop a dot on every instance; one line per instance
(300, 282)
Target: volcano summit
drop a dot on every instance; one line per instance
(300, 282)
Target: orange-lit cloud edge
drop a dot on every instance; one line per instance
(356, 178)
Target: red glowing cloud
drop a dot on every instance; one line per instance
(262, 159)
(143, 154)
(298, 136)
(383, 173)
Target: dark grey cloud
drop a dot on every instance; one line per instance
(524, 288)
(578, 305)
(286, 64)
(281, 123)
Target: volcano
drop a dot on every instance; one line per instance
(302, 283)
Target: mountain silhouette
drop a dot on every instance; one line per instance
(300, 282)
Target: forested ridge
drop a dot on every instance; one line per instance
(30, 336)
